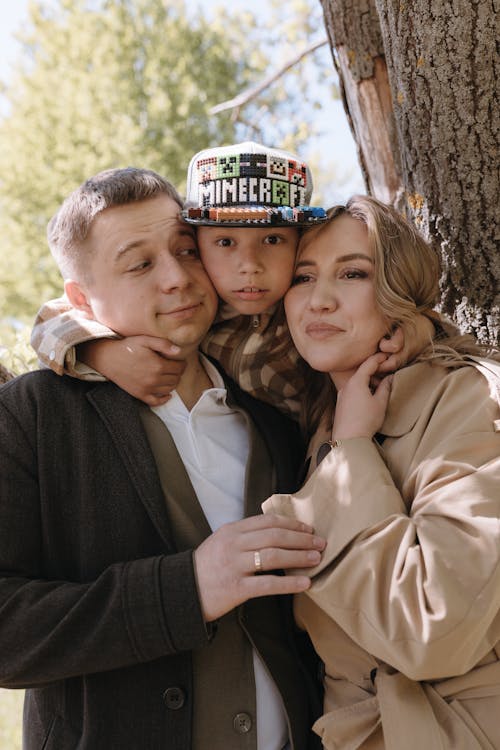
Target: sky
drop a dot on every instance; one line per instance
(337, 138)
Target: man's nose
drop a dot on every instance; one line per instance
(172, 274)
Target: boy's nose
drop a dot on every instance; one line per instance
(250, 261)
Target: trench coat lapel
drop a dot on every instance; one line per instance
(120, 414)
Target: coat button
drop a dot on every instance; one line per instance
(174, 698)
(242, 723)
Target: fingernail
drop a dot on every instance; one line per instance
(175, 349)
(319, 542)
(313, 556)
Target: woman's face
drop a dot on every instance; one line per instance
(331, 309)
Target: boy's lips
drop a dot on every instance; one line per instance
(250, 293)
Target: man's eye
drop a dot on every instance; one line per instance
(188, 252)
(140, 266)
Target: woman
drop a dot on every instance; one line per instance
(404, 608)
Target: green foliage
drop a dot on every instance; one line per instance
(286, 113)
(16, 354)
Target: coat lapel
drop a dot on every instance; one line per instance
(183, 508)
(120, 414)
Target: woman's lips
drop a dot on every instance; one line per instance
(321, 330)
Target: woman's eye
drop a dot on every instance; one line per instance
(353, 273)
(301, 278)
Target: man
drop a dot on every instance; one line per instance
(129, 606)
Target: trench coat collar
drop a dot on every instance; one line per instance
(409, 394)
(411, 386)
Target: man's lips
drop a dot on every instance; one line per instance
(183, 311)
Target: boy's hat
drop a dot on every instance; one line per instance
(247, 184)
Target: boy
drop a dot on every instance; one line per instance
(249, 203)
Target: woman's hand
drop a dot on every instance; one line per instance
(361, 408)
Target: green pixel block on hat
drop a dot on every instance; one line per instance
(248, 184)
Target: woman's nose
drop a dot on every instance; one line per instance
(322, 297)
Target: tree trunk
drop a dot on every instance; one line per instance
(438, 153)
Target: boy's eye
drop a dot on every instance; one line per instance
(272, 239)
(224, 242)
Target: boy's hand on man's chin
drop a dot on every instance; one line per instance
(140, 365)
(402, 349)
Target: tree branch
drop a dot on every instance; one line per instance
(249, 94)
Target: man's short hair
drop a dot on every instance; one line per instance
(69, 227)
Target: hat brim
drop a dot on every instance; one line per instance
(304, 218)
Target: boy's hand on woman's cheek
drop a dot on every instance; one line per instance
(140, 365)
(402, 349)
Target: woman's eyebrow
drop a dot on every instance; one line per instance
(354, 256)
(340, 259)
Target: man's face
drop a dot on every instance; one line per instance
(146, 277)
(250, 267)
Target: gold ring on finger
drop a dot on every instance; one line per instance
(257, 561)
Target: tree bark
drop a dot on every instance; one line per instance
(441, 131)
(358, 53)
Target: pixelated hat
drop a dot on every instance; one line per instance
(247, 184)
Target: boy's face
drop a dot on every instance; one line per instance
(146, 277)
(251, 268)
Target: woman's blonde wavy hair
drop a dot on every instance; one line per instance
(406, 279)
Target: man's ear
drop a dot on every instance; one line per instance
(78, 297)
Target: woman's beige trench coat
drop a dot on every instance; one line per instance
(404, 608)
